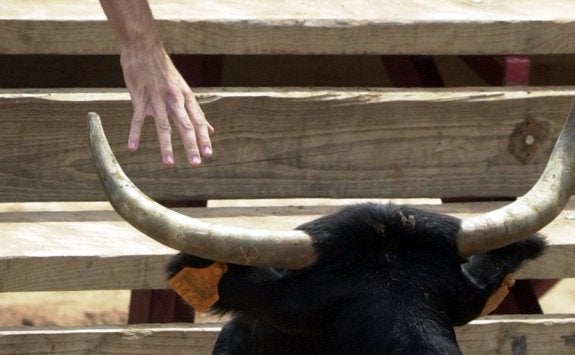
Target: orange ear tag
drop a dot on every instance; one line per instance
(199, 287)
(498, 296)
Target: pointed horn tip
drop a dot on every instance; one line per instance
(94, 123)
(92, 116)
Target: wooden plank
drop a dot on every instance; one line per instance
(93, 250)
(533, 334)
(133, 339)
(80, 256)
(275, 143)
(302, 27)
(492, 335)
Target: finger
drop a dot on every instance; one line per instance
(164, 135)
(136, 128)
(202, 128)
(188, 135)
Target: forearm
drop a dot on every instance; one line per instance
(133, 23)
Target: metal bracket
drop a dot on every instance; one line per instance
(527, 137)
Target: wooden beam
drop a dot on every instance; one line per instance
(296, 27)
(134, 339)
(95, 250)
(493, 335)
(533, 334)
(278, 143)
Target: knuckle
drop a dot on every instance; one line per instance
(187, 125)
(198, 114)
(202, 126)
(164, 125)
(195, 110)
(173, 97)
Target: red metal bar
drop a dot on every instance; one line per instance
(522, 299)
(500, 70)
(158, 306)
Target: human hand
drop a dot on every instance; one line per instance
(158, 90)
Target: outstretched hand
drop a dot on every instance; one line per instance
(156, 87)
(158, 90)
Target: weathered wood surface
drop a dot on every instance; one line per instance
(533, 334)
(91, 250)
(536, 334)
(134, 339)
(303, 27)
(273, 143)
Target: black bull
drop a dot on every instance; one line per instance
(381, 279)
(388, 280)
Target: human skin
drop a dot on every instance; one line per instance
(156, 87)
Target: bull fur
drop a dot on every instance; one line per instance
(388, 280)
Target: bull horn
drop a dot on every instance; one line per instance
(291, 249)
(531, 212)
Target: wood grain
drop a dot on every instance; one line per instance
(95, 250)
(272, 143)
(520, 334)
(302, 27)
(134, 339)
(538, 334)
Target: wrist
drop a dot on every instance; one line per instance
(141, 42)
(144, 59)
(142, 49)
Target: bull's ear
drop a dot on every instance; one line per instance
(488, 270)
(488, 277)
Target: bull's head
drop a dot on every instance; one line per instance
(392, 279)
(294, 249)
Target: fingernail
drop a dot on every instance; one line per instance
(196, 160)
(207, 151)
(168, 161)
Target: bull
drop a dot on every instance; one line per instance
(369, 279)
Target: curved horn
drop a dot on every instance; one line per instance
(531, 212)
(292, 249)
